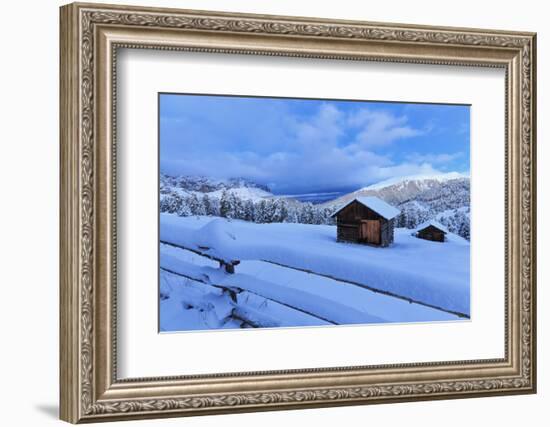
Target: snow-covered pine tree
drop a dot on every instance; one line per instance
(269, 211)
(307, 214)
(318, 215)
(165, 202)
(280, 210)
(195, 205)
(170, 203)
(249, 214)
(327, 216)
(207, 203)
(293, 212)
(184, 209)
(260, 209)
(464, 230)
(411, 221)
(237, 207)
(215, 206)
(402, 219)
(225, 205)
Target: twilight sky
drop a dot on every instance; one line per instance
(299, 146)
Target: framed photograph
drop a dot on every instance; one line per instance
(266, 212)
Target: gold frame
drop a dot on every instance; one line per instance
(90, 36)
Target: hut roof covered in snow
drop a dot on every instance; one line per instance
(432, 223)
(377, 205)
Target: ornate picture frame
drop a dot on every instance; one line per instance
(91, 34)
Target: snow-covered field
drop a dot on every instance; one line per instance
(298, 275)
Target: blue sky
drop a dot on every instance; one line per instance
(299, 146)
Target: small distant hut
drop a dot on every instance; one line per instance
(431, 230)
(367, 220)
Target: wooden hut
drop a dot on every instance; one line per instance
(367, 220)
(431, 230)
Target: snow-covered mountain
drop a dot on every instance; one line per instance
(404, 189)
(419, 179)
(186, 186)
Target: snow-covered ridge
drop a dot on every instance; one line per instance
(401, 180)
(187, 185)
(397, 191)
(205, 184)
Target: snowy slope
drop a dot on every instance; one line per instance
(423, 180)
(400, 190)
(270, 296)
(430, 272)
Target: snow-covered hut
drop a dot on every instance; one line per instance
(431, 230)
(367, 220)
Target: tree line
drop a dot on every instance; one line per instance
(230, 205)
(269, 210)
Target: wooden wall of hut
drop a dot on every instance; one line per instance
(348, 222)
(431, 233)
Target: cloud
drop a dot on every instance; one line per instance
(380, 128)
(434, 158)
(316, 146)
(405, 169)
(321, 131)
